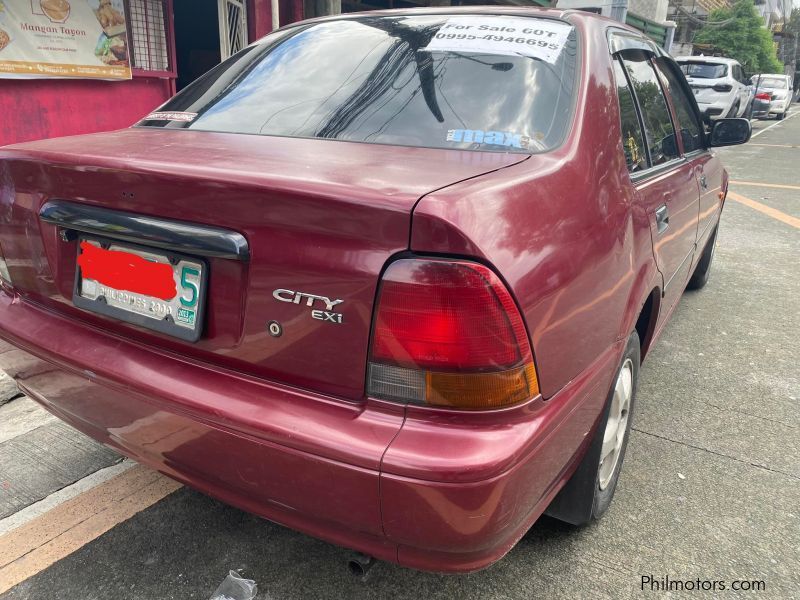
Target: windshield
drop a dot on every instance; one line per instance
(478, 82)
(771, 82)
(704, 70)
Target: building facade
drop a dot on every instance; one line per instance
(172, 42)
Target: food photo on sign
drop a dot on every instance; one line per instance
(63, 38)
(5, 37)
(112, 47)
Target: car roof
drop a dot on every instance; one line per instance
(712, 60)
(566, 14)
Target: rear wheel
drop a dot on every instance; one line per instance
(703, 269)
(588, 493)
(780, 116)
(748, 112)
(734, 111)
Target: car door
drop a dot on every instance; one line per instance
(707, 167)
(668, 187)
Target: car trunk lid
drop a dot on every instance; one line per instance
(320, 219)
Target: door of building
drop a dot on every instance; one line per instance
(206, 33)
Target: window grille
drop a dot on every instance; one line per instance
(148, 30)
(232, 27)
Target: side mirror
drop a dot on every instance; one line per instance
(729, 132)
(669, 146)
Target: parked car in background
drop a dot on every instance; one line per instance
(773, 95)
(371, 277)
(720, 86)
(761, 103)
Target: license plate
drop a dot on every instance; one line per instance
(156, 289)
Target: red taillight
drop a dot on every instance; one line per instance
(763, 96)
(448, 333)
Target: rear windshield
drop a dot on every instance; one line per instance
(704, 70)
(771, 82)
(477, 82)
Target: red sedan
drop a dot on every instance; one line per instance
(384, 278)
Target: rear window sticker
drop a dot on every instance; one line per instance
(496, 138)
(170, 116)
(522, 36)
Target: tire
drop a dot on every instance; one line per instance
(733, 111)
(780, 116)
(748, 112)
(703, 269)
(588, 493)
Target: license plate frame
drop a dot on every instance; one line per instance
(168, 326)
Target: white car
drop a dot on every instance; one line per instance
(775, 88)
(719, 84)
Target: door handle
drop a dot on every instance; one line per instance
(662, 218)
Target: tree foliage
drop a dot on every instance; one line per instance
(744, 38)
(793, 25)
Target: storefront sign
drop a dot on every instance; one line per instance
(64, 38)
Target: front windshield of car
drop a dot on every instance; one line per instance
(476, 82)
(771, 82)
(701, 70)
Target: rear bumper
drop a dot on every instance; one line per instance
(713, 112)
(761, 107)
(428, 490)
(716, 109)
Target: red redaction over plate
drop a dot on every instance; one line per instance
(127, 272)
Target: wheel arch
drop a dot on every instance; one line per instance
(646, 321)
(642, 310)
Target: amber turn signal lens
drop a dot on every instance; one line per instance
(475, 391)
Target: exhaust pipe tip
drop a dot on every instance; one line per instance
(359, 565)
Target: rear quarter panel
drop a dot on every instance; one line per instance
(563, 229)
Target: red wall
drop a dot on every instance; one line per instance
(259, 15)
(259, 18)
(32, 109)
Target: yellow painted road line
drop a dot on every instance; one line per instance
(34, 546)
(767, 210)
(780, 186)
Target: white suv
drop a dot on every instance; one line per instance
(720, 86)
(776, 91)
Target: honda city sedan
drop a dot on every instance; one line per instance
(383, 278)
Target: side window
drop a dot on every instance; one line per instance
(691, 131)
(632, 141)
(658, 128)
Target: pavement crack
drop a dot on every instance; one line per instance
(747, 414)
(720, 454)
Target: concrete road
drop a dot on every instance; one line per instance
(710, 490)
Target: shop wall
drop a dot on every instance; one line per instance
(259, 18)
(32, 109)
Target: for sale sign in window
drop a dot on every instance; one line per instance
(486, 34)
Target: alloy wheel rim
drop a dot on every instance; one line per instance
(617, 424)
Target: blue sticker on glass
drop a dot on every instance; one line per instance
(494, 138)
